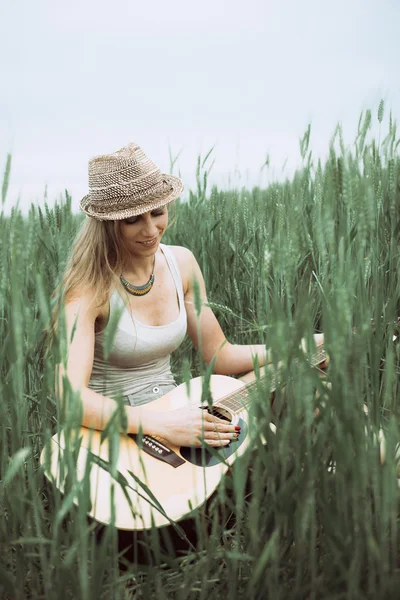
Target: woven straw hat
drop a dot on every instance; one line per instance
(127, 183)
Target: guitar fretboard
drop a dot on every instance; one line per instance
(236, 401)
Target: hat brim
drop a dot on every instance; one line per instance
(175, 188)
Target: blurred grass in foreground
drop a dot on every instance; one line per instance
(320, 252)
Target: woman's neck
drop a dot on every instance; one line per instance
(138, 269)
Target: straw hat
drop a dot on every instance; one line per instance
(127, 183)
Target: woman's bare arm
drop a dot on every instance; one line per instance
(205, 330)
(207, 334)
(97, 409)
(182, 427)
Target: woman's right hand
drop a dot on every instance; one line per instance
(193, 426)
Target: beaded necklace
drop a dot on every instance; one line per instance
(139, 290)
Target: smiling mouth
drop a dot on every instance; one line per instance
(149, 242)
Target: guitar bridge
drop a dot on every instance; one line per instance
(157, 449)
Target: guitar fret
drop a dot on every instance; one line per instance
(238, 400)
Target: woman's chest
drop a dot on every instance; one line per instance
(160, 306)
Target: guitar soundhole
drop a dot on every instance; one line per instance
(202, 457)
(220, 413)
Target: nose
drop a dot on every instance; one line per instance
(149, 228)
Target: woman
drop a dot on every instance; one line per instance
(120, 274)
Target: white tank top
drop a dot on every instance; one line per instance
(140, 353)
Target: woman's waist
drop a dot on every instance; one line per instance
(110, 368)
(111, 380)
(133, 388)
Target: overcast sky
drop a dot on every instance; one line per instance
(86, 77)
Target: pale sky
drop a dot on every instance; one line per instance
(85, 77)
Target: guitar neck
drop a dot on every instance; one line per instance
(236, 401)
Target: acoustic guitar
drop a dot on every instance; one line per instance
(155, 483)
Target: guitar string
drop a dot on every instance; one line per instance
(243, 392)
(318, 358)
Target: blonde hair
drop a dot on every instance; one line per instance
(98, 256)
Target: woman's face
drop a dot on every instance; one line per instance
(142, 234)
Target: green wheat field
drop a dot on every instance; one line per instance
(314, 512)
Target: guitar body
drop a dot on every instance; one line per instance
(178, 489)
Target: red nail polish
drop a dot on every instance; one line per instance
(237, 428)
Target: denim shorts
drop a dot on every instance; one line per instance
(151, 392)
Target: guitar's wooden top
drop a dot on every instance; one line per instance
(179, 490)
(156, 492)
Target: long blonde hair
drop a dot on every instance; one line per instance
(98, 256)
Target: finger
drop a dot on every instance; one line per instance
(214, 435)
(319, 339)
(223, 427)
(217, 443)
(325, 363)
(213, 418)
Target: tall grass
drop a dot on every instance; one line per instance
(319, 252)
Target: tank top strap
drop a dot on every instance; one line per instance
(173, 265)
(116, 300)
(116, 303)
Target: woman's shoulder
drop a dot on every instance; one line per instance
(185, 260)
(84, 301)
(183, 255)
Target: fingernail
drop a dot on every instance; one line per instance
(237, 428)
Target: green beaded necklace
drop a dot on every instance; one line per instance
(139, 290)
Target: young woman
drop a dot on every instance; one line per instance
(120, 274)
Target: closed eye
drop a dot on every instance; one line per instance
(154, 213)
